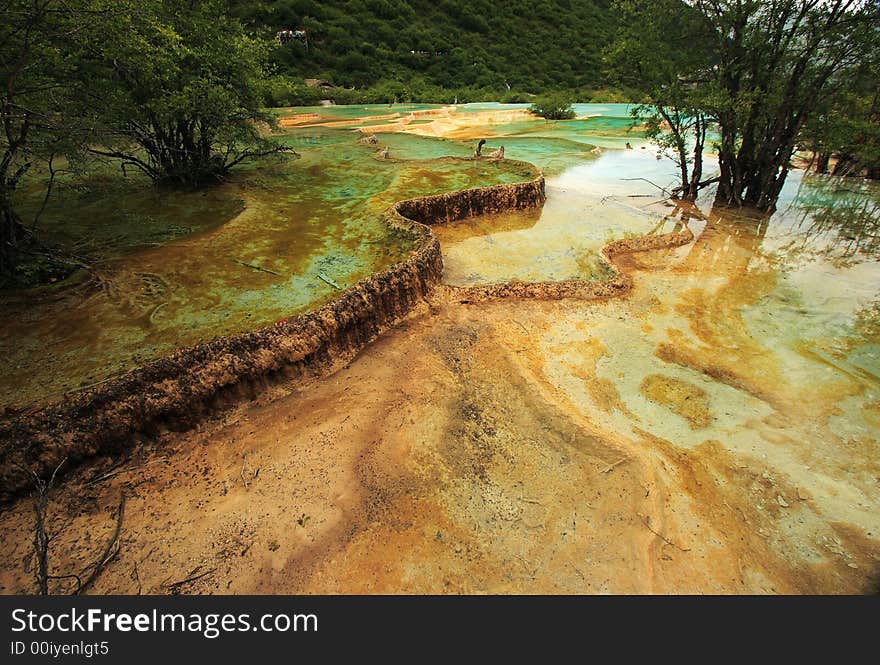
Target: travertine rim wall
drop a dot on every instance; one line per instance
(178, 390)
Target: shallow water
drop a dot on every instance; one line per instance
(761, 340)
(551, 145)
(588, 205)
(320, 215)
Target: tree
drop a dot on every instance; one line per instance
(648, 55)
(678, 126)
(39, 107)
(528, 44)
(178, 89)
(847, 126)
(553, 107)
(775, 61)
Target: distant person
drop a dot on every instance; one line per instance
(628, 146)
(479, 151)
(384, 154)
(497, 154)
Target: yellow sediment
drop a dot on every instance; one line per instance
(681, 397)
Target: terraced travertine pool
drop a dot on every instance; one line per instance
(175, 269)
(178, 268)
(716, 430)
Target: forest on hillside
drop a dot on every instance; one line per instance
(511, 47)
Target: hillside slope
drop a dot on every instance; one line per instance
(529, 45)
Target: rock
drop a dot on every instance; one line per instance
(781, 501)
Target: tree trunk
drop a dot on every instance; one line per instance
(13, 237)
(846, 165)
(697, 170)
(747, 180)
(822, 162)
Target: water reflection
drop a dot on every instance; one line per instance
(840, 214)
(590, 203)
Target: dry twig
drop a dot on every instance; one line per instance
(43, 540)
(109, 552)
(666, 540)
(256, 267)
(328, 281)
(615, 465)
(174, 587)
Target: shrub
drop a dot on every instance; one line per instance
(553, 107)
(513, 97)
(284, 92)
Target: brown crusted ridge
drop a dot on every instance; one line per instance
(177, 390)
(617, 285)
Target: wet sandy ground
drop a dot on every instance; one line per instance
(668, 442)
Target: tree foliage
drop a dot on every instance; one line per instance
(172, 88)
(649, 54)
(532, 45)
(554, 107)
(41, 110)
(847, 125)
(760, 69)
(776, 60)
(178, 89)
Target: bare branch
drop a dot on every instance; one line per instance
(109, 552)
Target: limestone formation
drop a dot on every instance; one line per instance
(179, 390)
